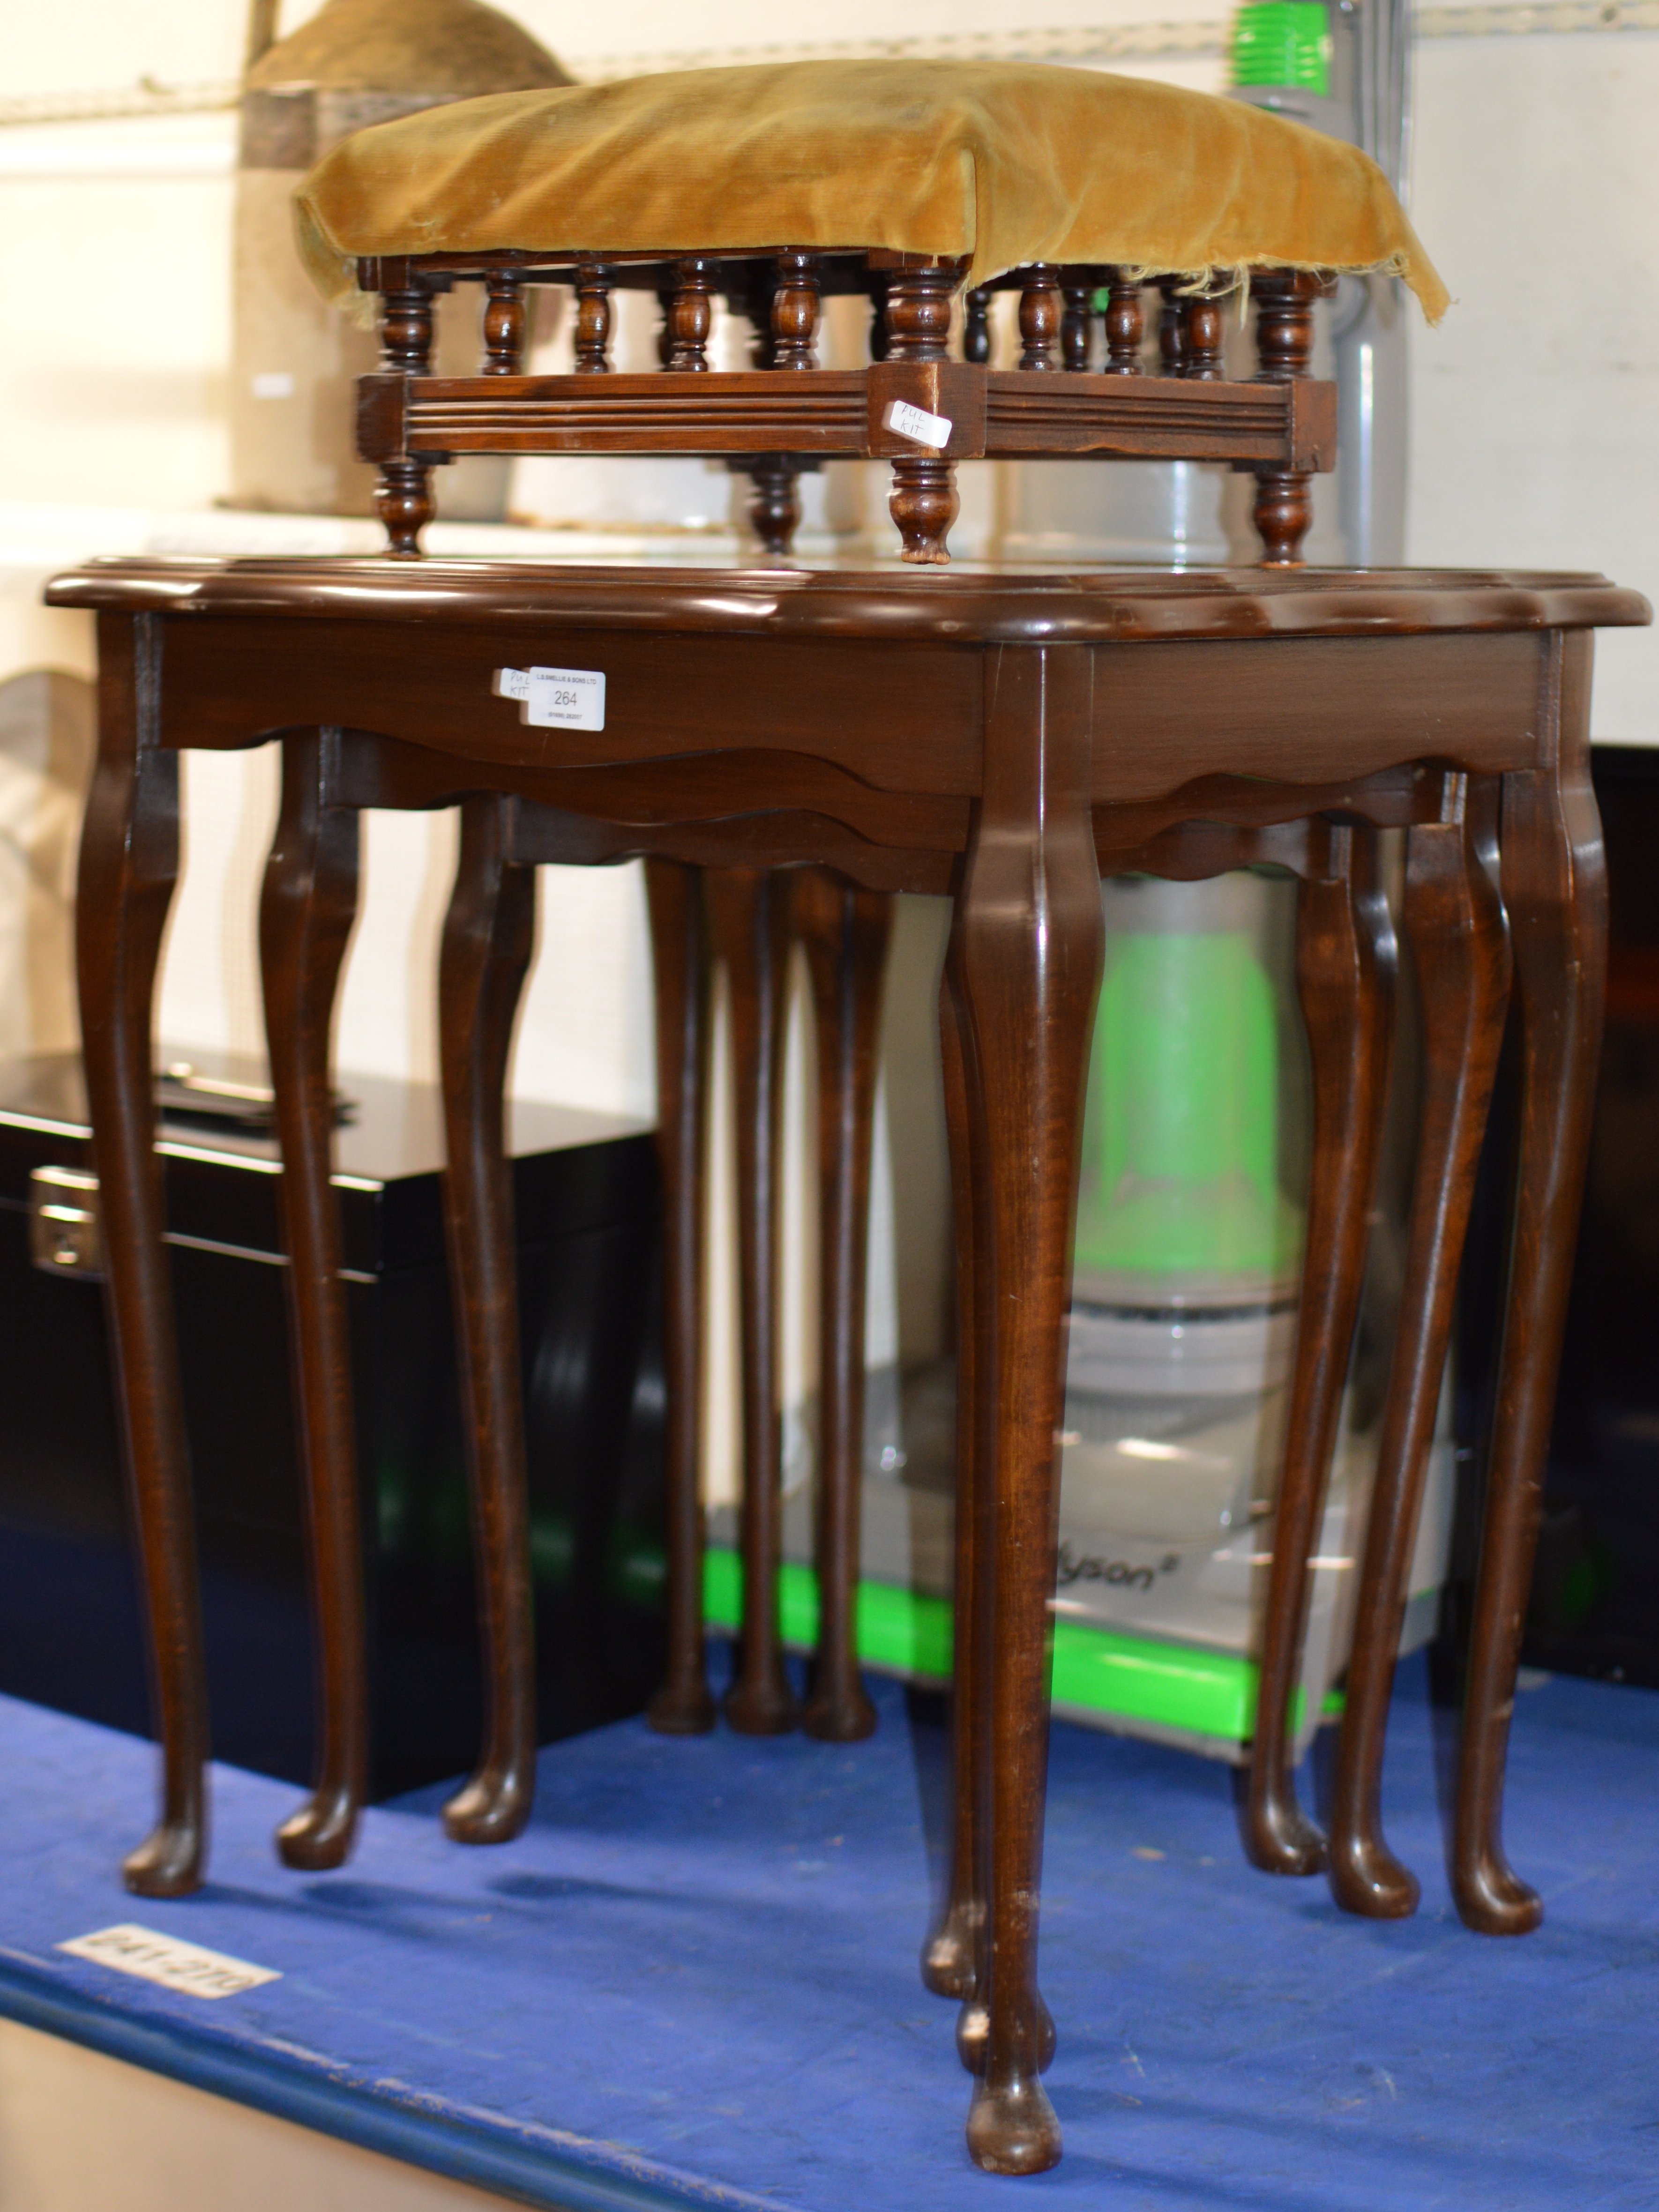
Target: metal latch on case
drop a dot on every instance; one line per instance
(65, 1237)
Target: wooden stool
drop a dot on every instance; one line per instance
(777, 187)
(994, 736)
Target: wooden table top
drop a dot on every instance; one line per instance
(966, 604)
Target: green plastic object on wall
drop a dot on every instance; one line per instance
(1283, 42)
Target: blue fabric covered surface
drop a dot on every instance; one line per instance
(694, 1980)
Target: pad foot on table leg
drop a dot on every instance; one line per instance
(319, 1836)
(1366, 1878)
(1493, 1900)
(169, 1861)
(492, 1808)
(1280, 1838)
(1012, 2128)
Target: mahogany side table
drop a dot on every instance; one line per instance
(996, 736)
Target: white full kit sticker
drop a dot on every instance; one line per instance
(916, 424)
(131, 1949)
(555, 698)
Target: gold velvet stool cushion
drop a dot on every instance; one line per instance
(1000, 164)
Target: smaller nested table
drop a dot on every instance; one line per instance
(1003, 738)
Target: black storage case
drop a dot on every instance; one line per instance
(586, 1217)
(1595, 1603)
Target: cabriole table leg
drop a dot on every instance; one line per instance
(1456, 929)
(488, 935)
(749, 915)
(1345, 970)
(306, 913)
(1555, 889)
(950, 1956)
(1031, 950)
(683, 1706)
(844, 930)
(129, 864)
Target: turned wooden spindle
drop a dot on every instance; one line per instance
(1125, 325)
(403, 497)
(1041, 312)
(923, 501)
(1173, 327)
(795, 312)
(1077, 321)
(1283, 512)
(593, 319)
(503, 323)
(1206, 336)
(976, 325)
(690, 317)
(1284, 322)
(916, 318)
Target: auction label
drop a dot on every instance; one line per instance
(185, 1967)
(556, 698)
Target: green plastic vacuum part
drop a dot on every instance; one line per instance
(1181, 1130)
(1283, 42)
(1101, 1670)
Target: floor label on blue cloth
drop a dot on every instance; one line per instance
(153, 1958)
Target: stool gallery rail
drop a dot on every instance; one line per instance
(998, 737)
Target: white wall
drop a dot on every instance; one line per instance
(1535, 430)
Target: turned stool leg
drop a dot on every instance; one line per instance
(488, 934)
(1555, 889)
(1345, 970)
(403, 497)
(916, 327)
(1031, 948)
(774, 502)
(951, 1962)
(1283, 512)
(749, 913)
(845, 932)
(683, 1706)
(1455, 928)
(129, 864)
(306, 913)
